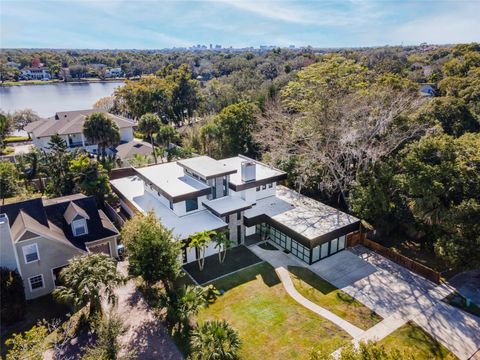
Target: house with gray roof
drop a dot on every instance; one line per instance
(38, 237)
(69, 125)
(238, 195)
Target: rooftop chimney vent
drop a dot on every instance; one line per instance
(248, 171)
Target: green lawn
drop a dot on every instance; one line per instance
(271, 324)
(331, 298)
(413, 339)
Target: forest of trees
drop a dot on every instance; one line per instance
(350, 127)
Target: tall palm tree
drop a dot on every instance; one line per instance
(223, 243)
(200, 241)
(101, 130)
(215, 340)
(148, 125)
(88, 280)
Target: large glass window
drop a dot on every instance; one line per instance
(316, 253)
(214, 189)
(324, 250)
(225, 186)
(191, 204)
(333, 246)
(341, 242)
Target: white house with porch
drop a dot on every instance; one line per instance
(69, 125)
(238, 195)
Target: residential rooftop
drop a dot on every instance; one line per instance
(263, 174)
(70, 122)
(133, 190)
(207, 167)
(303, 215)
(170, 180)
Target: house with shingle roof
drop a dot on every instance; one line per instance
(38, 237)
(69, 125)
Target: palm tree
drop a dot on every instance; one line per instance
(215, 340)
(88, 280)
(101, 130)
(200, 241)
(148, 125)
(185, 305)
(223, 243)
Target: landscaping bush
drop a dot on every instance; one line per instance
(12, 296)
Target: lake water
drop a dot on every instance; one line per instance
(46, 100)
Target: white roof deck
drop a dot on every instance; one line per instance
(182, 226)
(206, 166)
(301, 214)
(171, 179)
(263, 171)
(227, 204)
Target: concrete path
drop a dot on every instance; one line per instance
(280, 261)
(393, 292)
(399, 296)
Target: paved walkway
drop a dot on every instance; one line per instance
(146, 335)
(390, 290)
(280, 262)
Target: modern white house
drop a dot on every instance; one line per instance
(69, 125)
(238, 195)
(38, 237)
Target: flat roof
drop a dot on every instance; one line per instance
(171, 180)
(227, 205)
(263, 172)
(132, 188)
(207, 167)
(303, 215)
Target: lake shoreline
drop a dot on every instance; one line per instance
(55, 82)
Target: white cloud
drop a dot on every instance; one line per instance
(457, 26)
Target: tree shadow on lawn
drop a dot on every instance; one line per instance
(265, 270)
(314, 280)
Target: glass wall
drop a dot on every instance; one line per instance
(302, 252)
(284, 241)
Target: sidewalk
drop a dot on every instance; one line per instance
(280, 262)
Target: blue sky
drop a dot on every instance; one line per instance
(153, 24)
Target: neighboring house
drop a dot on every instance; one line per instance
(239, 195)
(128, 150)
(428, 90)
(69, 125)
(115, 72)
(37, 73)
(38, 237)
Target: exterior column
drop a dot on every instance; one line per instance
(83, 140)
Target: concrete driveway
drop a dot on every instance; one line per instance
(399, 295)
(377, 282)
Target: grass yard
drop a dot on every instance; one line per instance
(322, 293)
(271, 324)
(413, 339)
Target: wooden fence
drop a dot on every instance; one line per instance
(402, 260)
